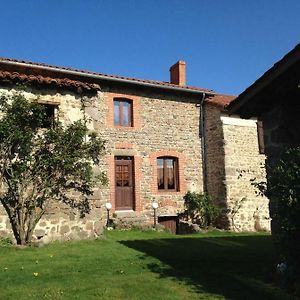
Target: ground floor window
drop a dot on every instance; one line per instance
(167, 174)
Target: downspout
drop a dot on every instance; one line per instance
(203, 146)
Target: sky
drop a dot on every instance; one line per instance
(227, 44)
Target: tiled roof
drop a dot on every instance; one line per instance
(220, 100)
(105, 76)
(61, 82)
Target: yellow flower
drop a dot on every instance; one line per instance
(35, 274)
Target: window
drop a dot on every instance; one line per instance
(49, 115)
(167, 174)
(122, 112)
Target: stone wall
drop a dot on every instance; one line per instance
(164, 125)
(233, 160)
(281, 129)
(160, 129)
(214, 149)
(248, 210)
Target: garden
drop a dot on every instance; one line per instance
(143, 265)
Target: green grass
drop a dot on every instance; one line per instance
(143, 265)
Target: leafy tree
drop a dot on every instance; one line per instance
(39, 165)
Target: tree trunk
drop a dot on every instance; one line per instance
(22, 228)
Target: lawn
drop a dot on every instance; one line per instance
(143, 265)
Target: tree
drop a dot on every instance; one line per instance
(43, 161)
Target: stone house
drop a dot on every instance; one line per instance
(163, 139)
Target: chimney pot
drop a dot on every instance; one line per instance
(177, 73)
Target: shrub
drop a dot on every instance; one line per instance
(283, 189)
(200, 209)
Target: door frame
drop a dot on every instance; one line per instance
(125, 158)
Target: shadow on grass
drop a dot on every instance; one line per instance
(237, 267)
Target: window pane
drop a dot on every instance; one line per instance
(126, 113)
(117, 112)
(167, 173)
(170, 173)
(160, 173)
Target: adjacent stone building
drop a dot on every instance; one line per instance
(163, 139)
(274, 99)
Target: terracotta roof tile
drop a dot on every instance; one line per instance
(155, 82)
(220, 100)
(62, 82)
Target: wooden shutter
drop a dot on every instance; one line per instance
(260, 135)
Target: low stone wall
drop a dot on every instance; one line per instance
(59, 227)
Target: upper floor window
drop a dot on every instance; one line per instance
(49, 111)
(122, 112)
(167, 174)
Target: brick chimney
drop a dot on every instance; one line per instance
(177, 73)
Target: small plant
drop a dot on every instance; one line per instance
(5, 242)
(232, 212)
(200, 209)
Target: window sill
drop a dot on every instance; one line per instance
(124, 127)
(168, 193)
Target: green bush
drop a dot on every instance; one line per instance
(283, 190)
(200, 209)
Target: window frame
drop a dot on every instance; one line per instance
(165, 174)
(121, 102)
(50, 113)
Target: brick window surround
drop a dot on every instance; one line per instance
(181, 177)
(135, 118)
(167, 174)
(123, 112)
(137, 179)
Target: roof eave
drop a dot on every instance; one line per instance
(275, 71)
(107, 78)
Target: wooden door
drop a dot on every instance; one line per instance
(169, 222)
(124, 183)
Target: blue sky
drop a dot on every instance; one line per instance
(227, 44)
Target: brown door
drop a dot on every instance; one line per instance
(169, 222)
(124, 183)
